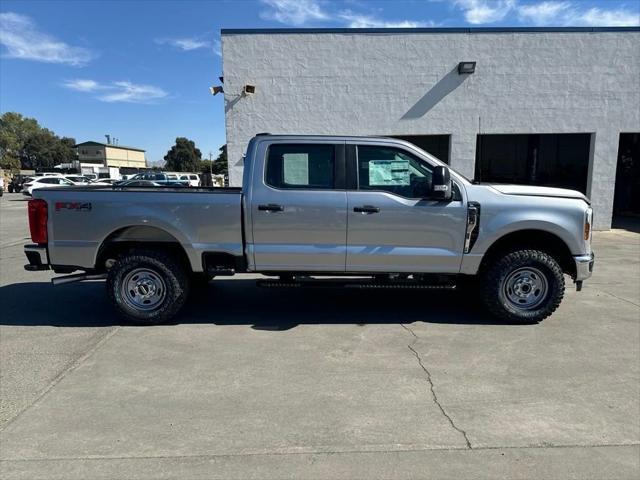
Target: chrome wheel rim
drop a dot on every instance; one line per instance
(143, 289)
(525, 288)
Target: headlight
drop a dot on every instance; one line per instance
(588, 220)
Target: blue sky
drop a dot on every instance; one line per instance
(140, 71)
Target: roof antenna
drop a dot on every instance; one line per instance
(108, 139)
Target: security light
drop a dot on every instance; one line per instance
(216, 90)
(466, 68)
(249, 89)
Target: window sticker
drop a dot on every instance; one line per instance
(296, 168)
(389, 172)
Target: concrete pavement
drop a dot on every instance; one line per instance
(254, 383)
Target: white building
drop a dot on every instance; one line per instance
(549, 106)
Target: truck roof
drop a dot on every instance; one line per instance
(326, 137)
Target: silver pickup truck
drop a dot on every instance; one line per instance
(318, 210)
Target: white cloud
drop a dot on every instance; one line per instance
(189, 44)
(543, 13)
(358, 20)
(22, 39)
(485, 11)
(607, 18)
(569, 13)
(301, 12)
(217, 48)
(122, 91)
(83, 85)
(185, 44)
(133, 93)
(293, 12)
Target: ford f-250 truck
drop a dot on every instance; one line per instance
(351, 211)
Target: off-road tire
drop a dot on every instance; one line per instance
(495, 275)
(167, 267)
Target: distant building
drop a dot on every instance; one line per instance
(109, 155)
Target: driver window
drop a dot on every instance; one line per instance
(394, 171)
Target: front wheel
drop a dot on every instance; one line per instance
(147, 287)
(524, 286)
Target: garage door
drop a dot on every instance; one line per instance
(553, 160)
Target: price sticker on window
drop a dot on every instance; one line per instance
(389, 172)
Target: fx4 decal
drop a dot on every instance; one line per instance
(77, 206)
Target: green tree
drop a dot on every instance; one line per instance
(24, 143)
(219, 166)
(46, 150)
(15, 130)
(184, 156)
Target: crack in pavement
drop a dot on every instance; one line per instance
(616, 296)
(432, 387)
(285, 452)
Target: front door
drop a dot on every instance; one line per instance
(299, 208)
(392, 225)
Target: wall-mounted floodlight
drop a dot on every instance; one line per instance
(216, 90)
(466, 68)
(249, 89)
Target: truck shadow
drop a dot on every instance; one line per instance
(240, 302)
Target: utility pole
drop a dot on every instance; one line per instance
(211, 166)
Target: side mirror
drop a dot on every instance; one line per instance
(441, 184)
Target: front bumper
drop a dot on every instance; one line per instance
(37, 256)
(584, 266)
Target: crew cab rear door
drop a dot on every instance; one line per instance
(393, 225)
(298, 206)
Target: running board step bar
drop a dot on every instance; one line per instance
(220, 271)
(333, 283)
(78, 277)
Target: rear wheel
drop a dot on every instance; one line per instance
(147, 287)
(523, 286)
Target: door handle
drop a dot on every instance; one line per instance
(366, 209)
(271, 207)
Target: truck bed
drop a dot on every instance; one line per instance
(82, 219)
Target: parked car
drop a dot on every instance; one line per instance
(86, 181)
(313, 207)
(170, 179)
(1, 185)
(48, 181)
(176, 184)
(193, 179)
(78, 179)
(136, 183)
(46, 174)
(17, 181)
(15, 184)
